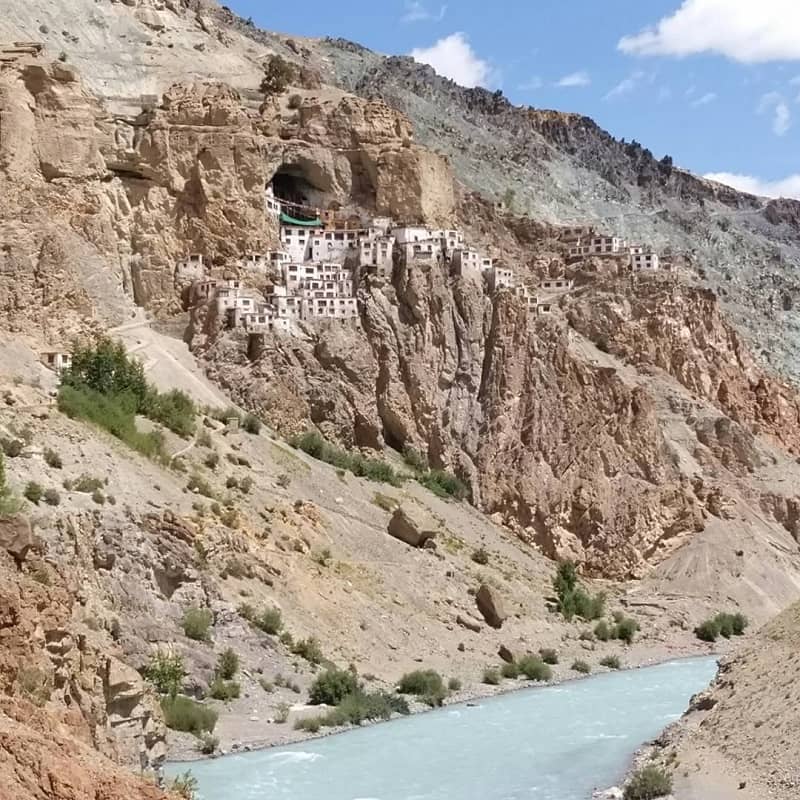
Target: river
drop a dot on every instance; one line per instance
(549, 743)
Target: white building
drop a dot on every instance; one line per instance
(574, 233)
(336, 245)
(297, 241)
(377, 253)
(527, 297)
(501, 278)
(57, 360)
(465, 260)
(273, 205)
(191, 268)
(553, 285)
(644, 261)
(486, 264)
(599, 246)
(258, 262)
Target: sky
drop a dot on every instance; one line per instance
(713, 83)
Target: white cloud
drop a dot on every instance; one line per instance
(574, 80)
(781, 115)
(708, 97)
(787, 187)
(453, 57)
(417, 12)
(626, 85)
(531, 85)
(750, 31)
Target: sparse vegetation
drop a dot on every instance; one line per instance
(370, 468)
(166, 672)
(480, 556)
(414, 459)
(384, 501)
(185, 784)
(443, 484)
(200, 485)
(98, 497)
(224, 690)
(612, 662)
(9, 502)
(308, 649)
(197, 624)
(723, 624)
(267, 686)
(491, 676)
(12, 447)
(282, 712)
(86, 484)
(510, 670)
(454, 685)
(212, 460)
(270, 621)
(283, 480)
(648, 783)
(534, 669)
(332, 686)
(52, 497)
(548, 655)
(421, 682)
(208, 744)
(322, 557)
(581, 666)
(184, 714)
(52, 459)
(36, 684)
(227, 664)
(251, 424)
(278, 74)
(33, 492)
(625, 629)
(573, 599)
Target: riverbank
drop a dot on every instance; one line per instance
(238, 734)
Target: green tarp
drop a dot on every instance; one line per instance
(308, 223)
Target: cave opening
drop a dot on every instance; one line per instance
(299, 194)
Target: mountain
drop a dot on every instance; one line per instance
(646, 429)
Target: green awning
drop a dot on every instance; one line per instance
(308, 223)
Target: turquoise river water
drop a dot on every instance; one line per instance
(549, 743)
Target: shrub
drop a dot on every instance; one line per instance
(278, 74)
(212, 460)
(184, 714)
(52, 459)
(454, 685)
(208, 744)
(295, 101)
(384, 501)
(87, 484)
(707, 631)
(203, 439)
(625, 629)
(480, 556)
(548, 655)
(231, 483)
(648, 783)
(602, 631)
(581, 666)
(174, 410)
(510, 670)
(723, 624)
(224, 690)
(359, 706)
(416, 460)
(270, 621)
(185, 784)
(98, 497)
(33, 492)
(12, 447)
(246, 484)
(308, 724)
(196, 624)
(52, 497)
(308, 649)
(246, 611)
(491, 676)
(739, 624)
(283, 480)
(331, 687)
(227, 664)
(534, 669)
(251, 424)
(36, 684)
(612, 662)
(282, 712)
(166, 672)
(199, 485)
(286, 639)
(421, 682)
(443, 484)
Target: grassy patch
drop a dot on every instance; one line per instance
(184, 714)
(648, 783)
(723, 624)
(612, 662)
(534, 669)
(573, 599)
(581, 666)
(197, 624)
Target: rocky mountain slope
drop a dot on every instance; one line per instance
(640, 430)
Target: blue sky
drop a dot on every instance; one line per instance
(713, 83)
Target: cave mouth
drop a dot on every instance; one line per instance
(292, 185)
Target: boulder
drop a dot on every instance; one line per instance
(469, 624)
(16, 537)
(491, 606)
(506, 654)
(412, 525)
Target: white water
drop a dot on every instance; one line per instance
(549, 743)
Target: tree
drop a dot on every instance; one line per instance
(278, 74)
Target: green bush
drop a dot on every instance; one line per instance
(648, 783)
(331, 687)
(480, 556)
(227, 664)
(739, 622)
(491, 676)
(87, 484)
(212, 460)
(98, 497)
(603, 631)
(52, 459)
(416, 460)
(309, 724)
(200, 485)
(723, 624)
(251, 424)
(184, 714)
(612, 662)
(52, 497)
(246, 611)
(574, 600)
(12, 447)
(625, 629)
(360, 706)
(166, 672)
(185, 784)
(421, 682)
(33, 492)
(197, 623)
(534, 669)
(208, 744)
(581, 666)
(224, 690)
(510, 670)
(308, 649)
(174, 410)
(548, 655)
(443, 484)
(454, 685)
(270, 621)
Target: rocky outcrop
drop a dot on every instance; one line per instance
(491, 606)
(413, 526)
(16, 537)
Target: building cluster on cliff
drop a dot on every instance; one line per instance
(315, 274)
